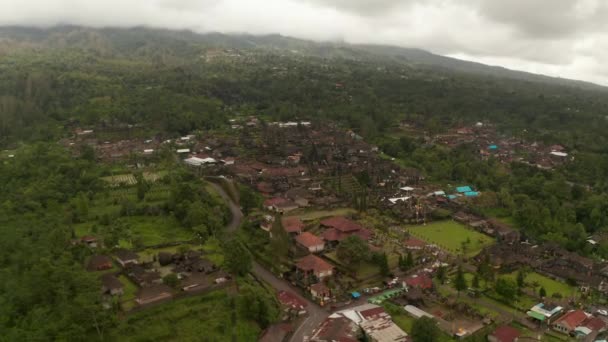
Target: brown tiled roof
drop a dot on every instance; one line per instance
(110, 282)
(291, 300)
(336, 329)
(153, 291)
(99, 261)
(307, 239)
(274, 201)
(341, 223)
(573, 318)
(413, 242)
(319, 288)
(292, 224)
(595, 324)
(125, 254)
(313, 263)
(505, 334)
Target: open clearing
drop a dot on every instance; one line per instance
(181, 319)
(550, 285)
(129, 178)
(451, 235)
(317, 214)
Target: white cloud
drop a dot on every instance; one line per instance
(565, 38)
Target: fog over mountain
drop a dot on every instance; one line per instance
(563, 38)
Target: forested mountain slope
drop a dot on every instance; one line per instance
(158, 77)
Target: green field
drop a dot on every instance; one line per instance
(130, 291)
(150, 230)
(129, 178)
(550, 285)
(450, 235)
(317, 214)
(198, 318)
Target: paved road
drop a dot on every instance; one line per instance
(316, 314)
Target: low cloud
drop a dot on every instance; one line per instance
(565, 38)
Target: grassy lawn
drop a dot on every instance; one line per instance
(450, 235)
(317, 214)
(130, 291)
(155, 230)
(404, 322)
(205, 317)
(152, 230)
(550, 285)
(213, 251)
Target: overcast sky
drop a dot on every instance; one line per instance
(566, 38)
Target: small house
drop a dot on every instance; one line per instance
(312, 265)
(154, 294)
(545, 313)
(570, 321)
(292, 224)
(90, 241)
(99, 263)
(310, 242)
(320, 291)
(196, 282)
(504, 333)
(126, 257)
(111, 285)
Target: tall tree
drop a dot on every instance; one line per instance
(460, 283)
(425, 329)
(506, 288)
(352, 251)
(236, 257)
(279, 240)
(441, 274)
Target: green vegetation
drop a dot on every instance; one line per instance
(318, 214)
(188, 320)
(537, 281)
(452, 236)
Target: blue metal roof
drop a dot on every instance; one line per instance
(452, 197)
(471, 193)
(355, 294)
(493, 147)
(462, 189)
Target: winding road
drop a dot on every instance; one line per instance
(316, 314)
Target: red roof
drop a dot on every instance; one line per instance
(332, 234)
(572, 319)
(414, 243)
(313, 263)
(292, 224)
(308, 240)
(341, 223)
(505, 334)
(372, 312)
(291, 300)
(364, 234)
(319, 288)
(595, 324)
(274, 201)
(88, 238)
(421, 281)
(265, 187)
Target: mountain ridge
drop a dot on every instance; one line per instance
(122, 39)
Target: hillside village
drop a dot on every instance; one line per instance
(371, 244)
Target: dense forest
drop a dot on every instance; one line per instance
(170, 83)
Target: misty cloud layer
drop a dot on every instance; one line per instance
(566, 38)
